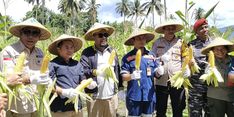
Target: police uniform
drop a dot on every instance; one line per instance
(163, 89)
(198, 94)
(32, 64)
(140, 98)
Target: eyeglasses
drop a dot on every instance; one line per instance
(101, 35)
(33, 33)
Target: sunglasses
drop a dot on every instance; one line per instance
(33, 33)
(101, 35)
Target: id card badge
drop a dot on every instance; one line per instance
(148, 71)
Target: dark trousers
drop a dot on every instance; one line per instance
(177, 97)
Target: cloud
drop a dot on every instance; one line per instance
(17, 10)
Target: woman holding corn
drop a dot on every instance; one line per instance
(168, 50)
(29, 32)
(139, 68)
(220, 95)
(68, 73)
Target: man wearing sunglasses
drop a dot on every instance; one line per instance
(94, 59)
(29, 33)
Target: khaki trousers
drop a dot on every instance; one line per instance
(103, 107)
(12, 114)
(68, 114)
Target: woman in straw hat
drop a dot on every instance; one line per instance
(221, 98)
(68, 72)
(29, 32)
(140, 98)
(168, 50)
(198, 94)
(95, 58)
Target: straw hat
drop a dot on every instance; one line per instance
(96, 28)
(139, 32)
(78, 43)
(218, 42)
(15, 30)
(178, 26)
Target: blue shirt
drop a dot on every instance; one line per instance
(144, 92)
(68, 75)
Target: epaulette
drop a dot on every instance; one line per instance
(130, 58)
(151, 57)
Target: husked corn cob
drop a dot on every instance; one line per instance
(112, 57)
(213, 76)
(138, 59)
(20, 63)
(45, 63)
(184, 48)
(138, 62)
(211, 59)
(80, 93)
(194, 67)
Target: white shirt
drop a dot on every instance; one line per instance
(105, 86)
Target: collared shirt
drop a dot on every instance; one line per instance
(144, 91)
(32, 64)
(68, 75)
(223, 92)
(89, 60)
(106, 86)
(201, 60)
(172, 49)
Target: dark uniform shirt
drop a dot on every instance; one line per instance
(68, 75)
(144, 92)
(201, 60)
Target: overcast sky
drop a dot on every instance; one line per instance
(106, 12)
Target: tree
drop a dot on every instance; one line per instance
(136, 10)
(92, 9)
(123, 9)
(153, 5)
(71, 8)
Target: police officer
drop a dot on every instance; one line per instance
(168, 50)
(140, 98)
(198, 94)
(29, 32)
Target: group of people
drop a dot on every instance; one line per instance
(148, 85)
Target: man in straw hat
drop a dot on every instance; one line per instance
(94, 59)
(29, 32)
(220, 99)
(68, 72)
(168, 50)
(140, 98)
(197, 94)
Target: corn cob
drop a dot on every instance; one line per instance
(20, 63)
(43, 97)
(184, 48)
(194, 67)
(138, 63)
(177, 80)
(213, 76)
(80, 93)
(45, 64)
(138, 59)
(112, 57)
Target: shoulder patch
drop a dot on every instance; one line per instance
(130, 58)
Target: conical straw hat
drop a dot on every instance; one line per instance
(160, 29)
(78, 43)
(95, 28)
(15, 30)
(218, 42)
(139, 32)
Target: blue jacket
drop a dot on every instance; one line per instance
(144, 92)
(68, 75)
